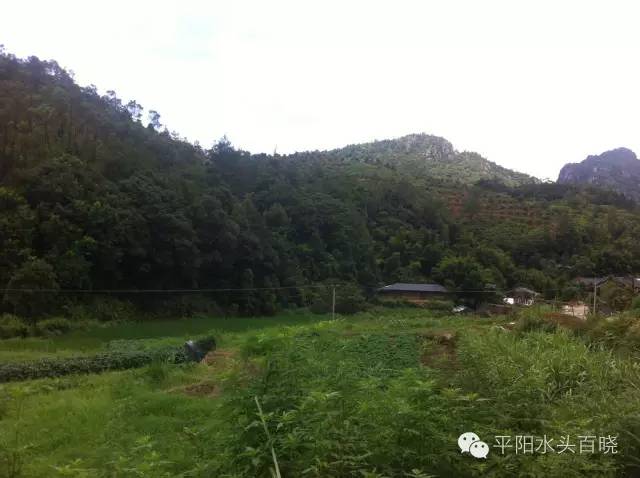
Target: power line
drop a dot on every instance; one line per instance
(161, 291)
(177, 291)
(231, 289)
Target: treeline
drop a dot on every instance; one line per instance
(92, 198)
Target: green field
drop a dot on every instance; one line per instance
(384, 393)
(96, 337)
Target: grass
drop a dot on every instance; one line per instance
(355, 397)
(96, 336)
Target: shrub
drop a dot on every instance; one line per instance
(635, 303)
(394, 303)
(349, 300)
(437, 305)
(633, 332)
(157, 372)
(537, 369)
(33, 288)
(614, 331)
(11, 326)
(262, 345)
(532, 320)
(54, 326)
(187, 306)
(104, 309)
(110, 308)
(614, 297)
(101, 362)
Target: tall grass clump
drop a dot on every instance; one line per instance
(555, 384)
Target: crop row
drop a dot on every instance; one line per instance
(101, 362)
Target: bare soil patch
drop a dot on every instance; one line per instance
(202, 389)
(439, 349)
(217, 361)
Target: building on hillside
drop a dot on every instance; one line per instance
(415, 293)
(630, 281)
(612, 293)
(590, 282)
(521, 296)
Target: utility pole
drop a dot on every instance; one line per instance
(333, 304)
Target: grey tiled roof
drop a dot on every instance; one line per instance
(400, 287)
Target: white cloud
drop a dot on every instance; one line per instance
(530, 85)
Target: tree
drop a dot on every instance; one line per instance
(472, 203)
(17, 231)
(109, 203)
(32, 289)
(154, 120)
(223, 147)
(135, 110)
(467, 276)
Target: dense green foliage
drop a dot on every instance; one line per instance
(92, 199)
(380, 394)
(424, 155)
(122, 355)
(95, 338)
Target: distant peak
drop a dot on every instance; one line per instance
(618, 155)
(617, 169)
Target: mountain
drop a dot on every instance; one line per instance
(92, 198)
(425, 156)
(618, 169)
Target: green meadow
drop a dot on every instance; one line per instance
(384, 393)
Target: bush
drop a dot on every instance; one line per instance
(187, 306)
(33, 277)
(349, 300)
(109, 308)
(615, 332)
(104, 309)
(531, 321)
(157, 372)
(394, 303)
(609, 331)
(11, 326)
(55, 326)
(437, 305)
(537, 368)
(635, 303)
(93, 363)
(261, 345)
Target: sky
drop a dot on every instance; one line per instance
(530, 85)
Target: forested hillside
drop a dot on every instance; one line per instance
(92, 197)
(424, 155)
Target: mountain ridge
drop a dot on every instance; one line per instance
(91, 198)
(424, 155)
(617, 169)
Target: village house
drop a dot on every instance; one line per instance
(520, 296)
(629, 281)
(415, 293)
(612, 293)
